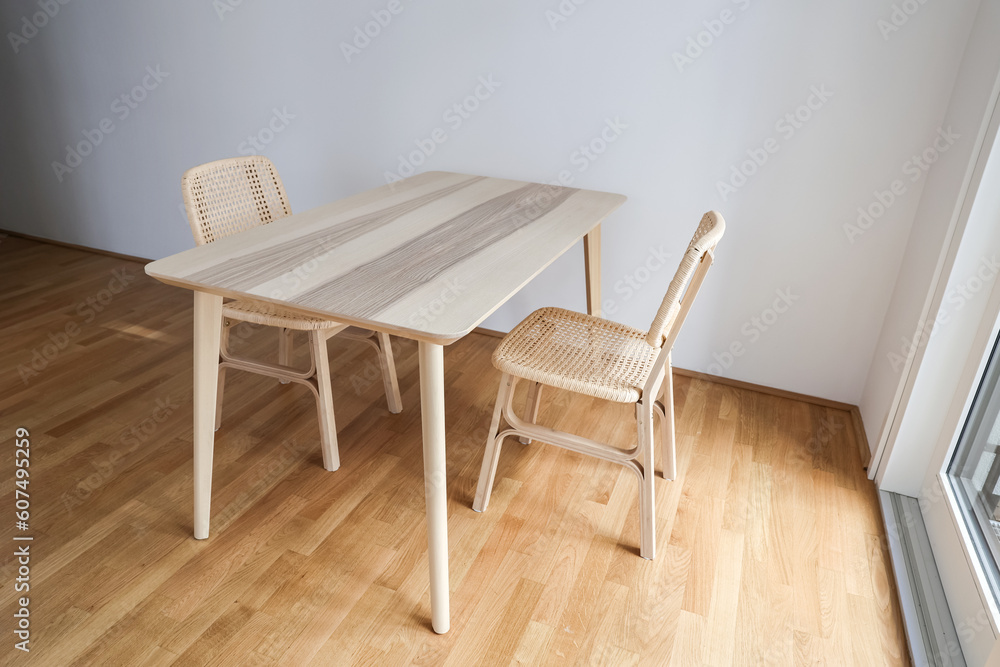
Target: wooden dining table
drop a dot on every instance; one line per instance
(426, 258)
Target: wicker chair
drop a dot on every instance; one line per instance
(227, 197)
(603, 359)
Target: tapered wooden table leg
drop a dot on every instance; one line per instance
(435, 478)
(207, 329)
(592, 266)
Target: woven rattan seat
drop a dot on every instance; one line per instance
(596, 357)
(268, 314)
(229, 196)
(581, 353)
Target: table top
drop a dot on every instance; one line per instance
(428, 258)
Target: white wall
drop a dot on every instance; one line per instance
(558, 86)
(958, 200)
(965, 193)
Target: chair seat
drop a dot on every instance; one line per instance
(581, 353)
(262, 312)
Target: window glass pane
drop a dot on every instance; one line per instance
(974, 472)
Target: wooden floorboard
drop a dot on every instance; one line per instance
(770, 545)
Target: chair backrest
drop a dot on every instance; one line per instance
(669, 317)
(229, 196)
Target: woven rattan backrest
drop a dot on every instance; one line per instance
(229, 196)
(707, 236)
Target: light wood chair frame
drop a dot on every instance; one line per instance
(639, 459)
(317, 376)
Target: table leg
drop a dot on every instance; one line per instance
(207, 329)
(435, 480)
(592, 264)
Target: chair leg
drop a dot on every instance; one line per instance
(389, 379)
(492, 454)
(324, 399)
(285, 348)
(668, 436)
(531, 407)
(647, 518)
(223, 343)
